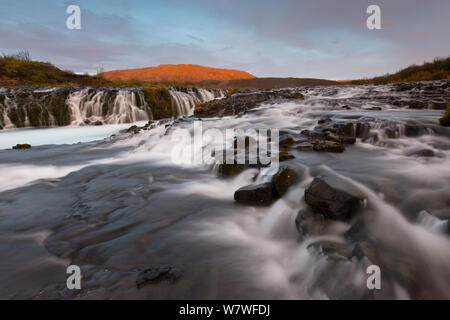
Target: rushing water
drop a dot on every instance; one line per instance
(119, 205)
(46, 107)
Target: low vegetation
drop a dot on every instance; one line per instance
(439, 69)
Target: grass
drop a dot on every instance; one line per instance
(439, 69)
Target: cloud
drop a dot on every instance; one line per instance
(303, 38)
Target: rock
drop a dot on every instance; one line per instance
(349, 140)
(231, 169)
(322, 121)
(423, 153)
(346, 107)
(329, 146)
(331, 248)
(133, 128)
(22, 146)
(309, 223)
(98, 123)
(305, 146)
(362, 130)
(347, 130)
(333, 203)
(283, 179)
(445, 120)
(284, 156)
(157, 273)
(415, 130)
(357, 233)
(295, 95)
(257, 195)
(286, 143)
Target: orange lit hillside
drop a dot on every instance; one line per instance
(178, 72)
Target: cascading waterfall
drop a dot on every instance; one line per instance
(184, 99)
(30, 107)
(124, 106)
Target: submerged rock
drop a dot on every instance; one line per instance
(156, 273)
(333, 203)
(329, 146)
(258, 195)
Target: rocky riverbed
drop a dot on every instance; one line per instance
(363, 179)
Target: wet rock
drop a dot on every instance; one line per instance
(98, 123)
(283, 179)
(445, 120)
(22, 146)
(346, 107)
(309, 223)
(357, 233)
(286, 143)
(257, 195)
(329, 146)
(133, 128)
(332, 203)
(230, 169)
(422, 153)
(362, 130)
(347, 130)
(305, 146)
(323, 121)
(415, 130)
(157, 273)
(331, 249)
(284, 156)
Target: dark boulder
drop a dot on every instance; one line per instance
(257, 195)
(230, 169)
(333, 203)
(284, 156)
(415, 130)
(329, 146)
(283, 179)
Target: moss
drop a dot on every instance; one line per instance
(296, 95)
(285, 143)
(231, 91)
(445, 120)
(159, 100)
(284, 155)
(22, 94)
(22, 146)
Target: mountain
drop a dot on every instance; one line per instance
(177, 73)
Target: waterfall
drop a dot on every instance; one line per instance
(40, 107)
(184, 99)
(109, 107)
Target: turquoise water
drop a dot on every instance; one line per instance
(59, 135)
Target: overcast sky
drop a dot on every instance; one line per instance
(298, 38)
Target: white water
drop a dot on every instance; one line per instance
(139, 208)
(90, 106)
(183, 102)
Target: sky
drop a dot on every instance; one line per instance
(285, 38)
